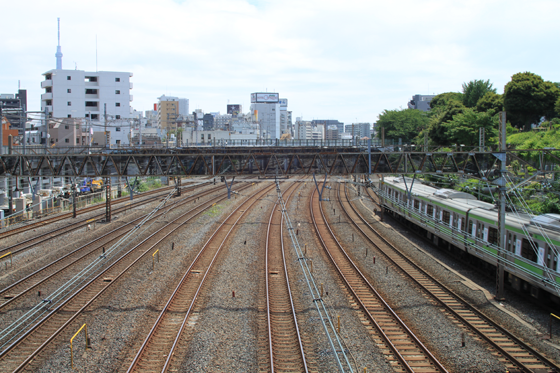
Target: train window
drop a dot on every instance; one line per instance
(462, 224)
(509, 242)
(430, 210)
(446, 216)
(471, 228)
(417, 204)
(527, 251)
(493, 235)
(479, 229)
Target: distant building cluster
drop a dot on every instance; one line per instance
(93, 108)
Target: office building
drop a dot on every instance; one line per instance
(267, 107)
(169, 109)
(420, 102)
(330, 122)
(359, 130)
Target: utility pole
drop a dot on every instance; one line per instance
(1, 131)
(24, 115)
(107, 139)
(501, 182)
(140, 132)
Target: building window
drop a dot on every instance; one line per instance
(118, 129)
(117, 92)
(69, 115)
(209, 137)
(48, 77)
(94, 116)
(117, 116)
(68, 78)
(69, 103)
(66, 140)
(117, 79)
(69, 90)
(65, 127)
(77, 140)
(117, 104)
(90, 79)
(91, 104)
(90, 91)
(49, 102)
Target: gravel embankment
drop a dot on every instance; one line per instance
(423, 317)
(519, 315)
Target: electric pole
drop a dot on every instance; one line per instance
(501, 182)
(107, 138)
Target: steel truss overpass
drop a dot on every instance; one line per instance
(270, 161)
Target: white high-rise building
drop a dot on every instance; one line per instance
(267, 106)
(84, 94)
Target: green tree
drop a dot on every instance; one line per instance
(404, 124)
(443, 114)
(464, 127)
(443, 99)
(475, 90)
(557, 107)
(490, 102)
(527, 98)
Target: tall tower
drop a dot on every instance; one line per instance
(58, 54)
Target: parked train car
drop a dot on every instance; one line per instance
(457, 221)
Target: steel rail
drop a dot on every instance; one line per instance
(438, 367)
(103, 286)
(32, 242)
(75, 252)
(81, 211)
(461, 303)
(279, 221)
(135, 364)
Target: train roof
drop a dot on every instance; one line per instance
(484, 209)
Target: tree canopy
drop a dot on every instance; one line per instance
(464, 127)
(527, 98)
(443, 99)
(475, 90)
(402, 124)
(442, 114)
(490, 102)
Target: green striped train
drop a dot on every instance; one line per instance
(458, 222)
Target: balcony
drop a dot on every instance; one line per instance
(130, 85)
(130, 99)
(46, 83)
(92, 96)
(91, 84)
(46, 96)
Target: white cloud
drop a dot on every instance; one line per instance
(345, 60)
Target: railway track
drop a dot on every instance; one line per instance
(81, 211)
(17, 290)
(41, 238)
(161, 350)
(285, 346)
(24, 352)
(400, 346)
(512, 352)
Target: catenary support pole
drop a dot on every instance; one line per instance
(501, 155)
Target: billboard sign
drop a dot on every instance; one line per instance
(234, 110)
(283, 102)
(264, 97)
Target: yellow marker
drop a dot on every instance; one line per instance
(72, 339)
(11, 258)
(154, 258)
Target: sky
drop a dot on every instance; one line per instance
(348, 60)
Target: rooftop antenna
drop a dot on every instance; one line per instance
(58, 54)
